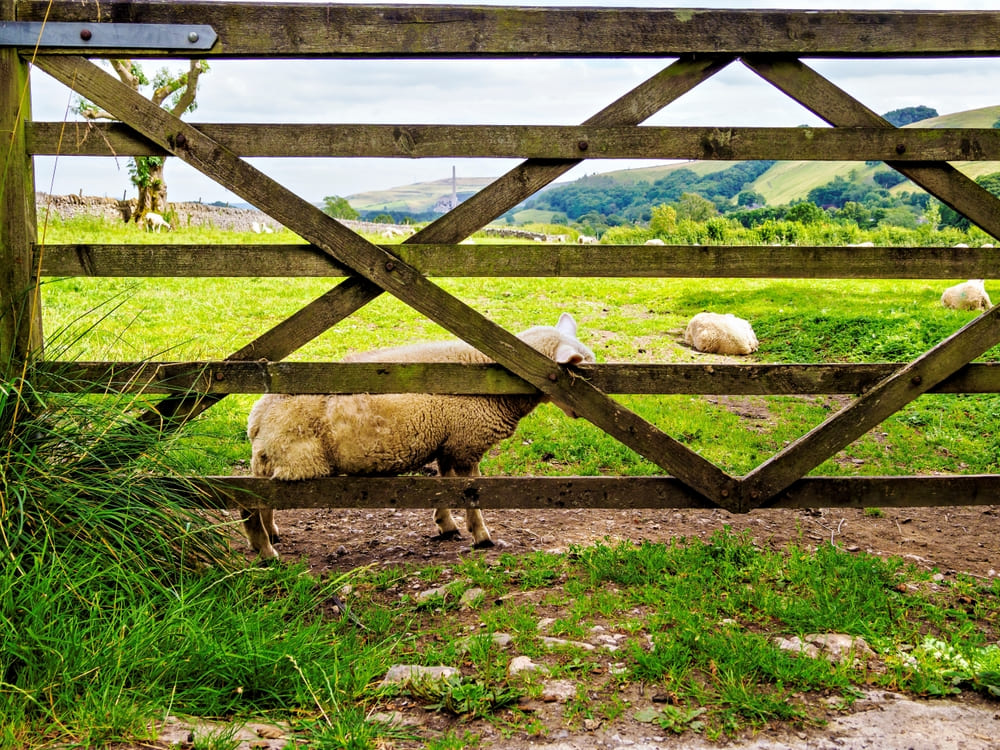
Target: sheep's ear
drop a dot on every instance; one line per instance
(568, 355)
(566, 325)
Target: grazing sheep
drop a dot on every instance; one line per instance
(586, 239)
(720, 334)
(155, 222)
(654, 241)
(969, 295)
(306, 436)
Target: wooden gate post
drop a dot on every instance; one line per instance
(20, 313)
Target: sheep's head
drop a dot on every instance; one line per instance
(559, 342)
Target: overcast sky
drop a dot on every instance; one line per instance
(515, 92)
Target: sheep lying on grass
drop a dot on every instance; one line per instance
(306, 436)
(720, 334)
(969, 295)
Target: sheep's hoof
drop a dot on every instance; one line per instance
(447, 536)
(485, 544)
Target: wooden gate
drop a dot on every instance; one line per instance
(769, 43)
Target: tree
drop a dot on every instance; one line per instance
(695, 208)
(338, 208)
(805, 213)
(906, 115)
(173, 91)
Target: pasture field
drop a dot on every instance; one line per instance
(119, 609)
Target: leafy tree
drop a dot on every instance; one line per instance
(173, 91)
(338, 208)
(951, 218)
(383, 218)
(805, 213)
(906, 115)
(695, 208)
(750, 199)
(663, 221)
(888, 178)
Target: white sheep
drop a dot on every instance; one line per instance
(654, 241)
(969, 295)
(720, 334)
(586, 239)
(297, 437)
(155, 222)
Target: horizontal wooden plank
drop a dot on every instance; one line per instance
(540, 142)
(222, 377)
(612, 493)
(306, 30)
(533, 260)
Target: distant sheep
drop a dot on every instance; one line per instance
(969, 295)
(720, 334)
(654, 241)
(305, 436)
(155, 222)
(586, 239)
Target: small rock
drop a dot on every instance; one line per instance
(501, 640)
(405, 674)
(424, 596)
(560, 642)
(471, 598)
(558, 691)
(524, 664)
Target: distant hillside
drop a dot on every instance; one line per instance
(419, 198)
(783, 183)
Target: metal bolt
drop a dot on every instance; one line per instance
(900, 148)
(193, 37)
(220, 376)
(724, 493)
(389, 265)
(916, 380)
(553, 376)
(582, 145)
(86, 34)
(181, 139)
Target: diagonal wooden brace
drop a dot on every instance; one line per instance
(840, 109)
(874, 406)
(389, 273)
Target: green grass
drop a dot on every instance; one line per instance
(119, 604)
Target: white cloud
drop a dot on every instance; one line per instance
(501, 92)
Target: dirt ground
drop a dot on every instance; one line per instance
(947, 540)
(950, 540)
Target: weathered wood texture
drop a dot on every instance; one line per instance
(217, 378)
(768, 42)
(330, 30)
(533, 260)
(20, 315)
(554, 493)
(542, 142)
(390, 273)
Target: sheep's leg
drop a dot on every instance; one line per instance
(447, 529)
(258, 524)
(474, 520)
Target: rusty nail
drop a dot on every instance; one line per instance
(181, 139)
(553, 376)
(583, 145)
(389, 265)
(724, 493)
(755, 495)
(916, 380)
(220, 376)
(86, 34)
(900, 148)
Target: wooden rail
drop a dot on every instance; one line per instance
(696, 44)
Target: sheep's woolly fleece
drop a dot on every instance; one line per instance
(969, 295)
(720, 334)
(308, 436)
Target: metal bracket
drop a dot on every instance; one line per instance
(155, 36)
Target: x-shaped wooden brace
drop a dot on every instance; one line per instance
(380, 270)
(385, 271)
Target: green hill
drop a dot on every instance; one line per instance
(783, 183)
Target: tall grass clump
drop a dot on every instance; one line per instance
(122, 601)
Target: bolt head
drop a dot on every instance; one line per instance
(193, 37)
(86, 34)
